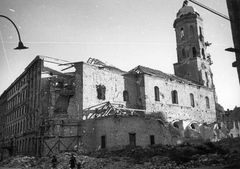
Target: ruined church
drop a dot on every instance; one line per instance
(56, 105)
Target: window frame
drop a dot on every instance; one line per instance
(156, 93)
(192, 101)
(174, 94)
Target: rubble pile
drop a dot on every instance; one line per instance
(187, 155)
(20, 161)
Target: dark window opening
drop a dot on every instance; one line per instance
(152, 139)
(207, 102)
(192, 100)
(201, 35)
(183, 53)
(194, 52)
(175, 124)
(207, 81)
(191, 32)
(101, 90)
(103, 141)
(203, 53)
(182, 33)
(174, 97)
(132, 139)
(125, 96)
(156, 92)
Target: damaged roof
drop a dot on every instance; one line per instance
(55, 72)
(153, 72)
(235, 115)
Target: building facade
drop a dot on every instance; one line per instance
(55, 105)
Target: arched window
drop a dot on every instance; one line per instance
(125, 96)
(101, 90)
(174, 97)
(156, 92)
(203, 53)
(207, 102)
(207, 80)
(183, 53)
(200, 34)
(194, 52)
(182, 33)
(192, 100)
(191, 32)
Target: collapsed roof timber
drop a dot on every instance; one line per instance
(56, 105)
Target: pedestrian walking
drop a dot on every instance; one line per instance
(79, 165)
(72, 162)
(54, 162)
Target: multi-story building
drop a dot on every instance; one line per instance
(55, 105)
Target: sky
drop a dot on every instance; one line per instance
(123, 33)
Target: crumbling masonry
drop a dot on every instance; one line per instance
(55, 105)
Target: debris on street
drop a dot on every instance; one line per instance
(190, 154)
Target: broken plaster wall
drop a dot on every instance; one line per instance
(234, 131)
(90, 76)
(117, 130)
(183, 110)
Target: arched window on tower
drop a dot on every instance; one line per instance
(192, 100)
(203, 53)
(207, 102)
(182, 33)
(156, 92)
(191, 32)
(174, 97)
(194, 52)
(183, 53)
(125, 96)
(207, 80)
(200, 33)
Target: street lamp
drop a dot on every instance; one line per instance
(20, 44)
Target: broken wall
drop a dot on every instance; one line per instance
(183, 110)
(97, 84)
(116, 129)
(60, 135)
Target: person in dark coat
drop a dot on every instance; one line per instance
(54, 161)
(79, 165)
(72, 162)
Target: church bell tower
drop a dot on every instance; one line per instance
(193, 61)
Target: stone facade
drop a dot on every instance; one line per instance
(96, 105)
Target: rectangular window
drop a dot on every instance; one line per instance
(101, 90)
(103, 141)
(152, 139)
(132, 139)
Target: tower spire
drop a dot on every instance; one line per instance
(193, 62)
